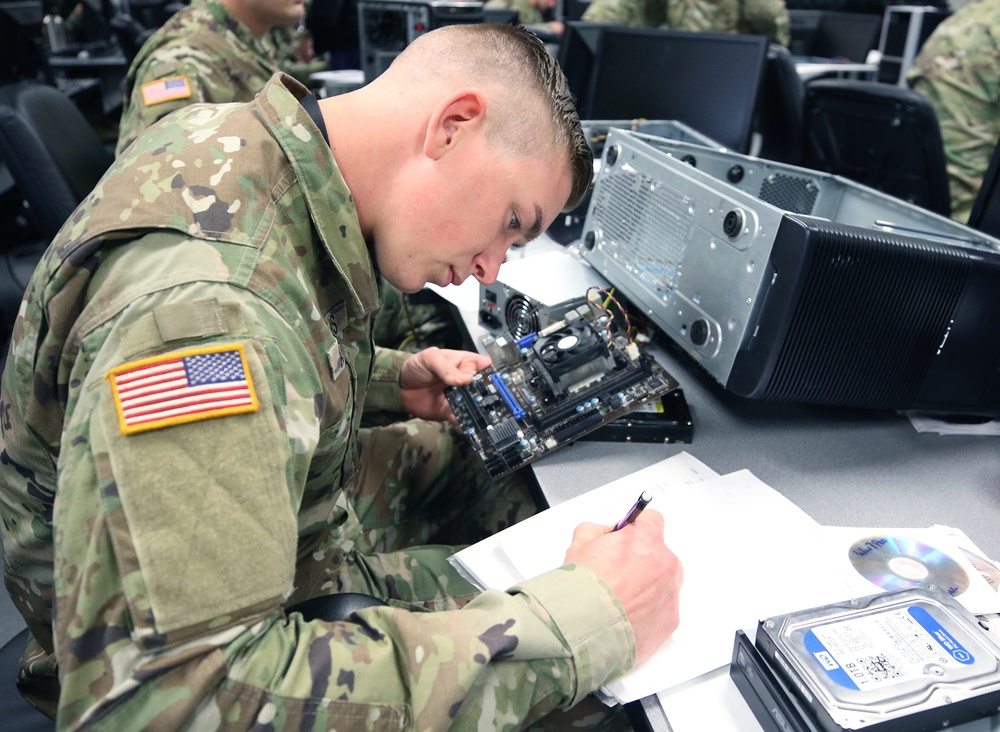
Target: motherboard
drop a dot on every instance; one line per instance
(549, 388)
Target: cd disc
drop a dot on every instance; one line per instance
(985, 567)
(899, 563)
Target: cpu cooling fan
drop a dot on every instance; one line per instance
(569, 347)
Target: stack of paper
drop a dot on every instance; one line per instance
(748, 553)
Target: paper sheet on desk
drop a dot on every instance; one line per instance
(746, 551)
(486, 565)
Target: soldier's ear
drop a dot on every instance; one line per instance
(459, 116)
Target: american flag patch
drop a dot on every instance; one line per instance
(166, 90)
(182, 387)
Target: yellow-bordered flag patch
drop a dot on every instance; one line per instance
(181, 387)
(165, 90)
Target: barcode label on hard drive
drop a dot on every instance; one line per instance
(885, 648)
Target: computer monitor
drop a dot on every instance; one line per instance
(985, 216)
(846, 36)
(577, 48)
(709, 81)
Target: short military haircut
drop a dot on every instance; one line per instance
(532, 110)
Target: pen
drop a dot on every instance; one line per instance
(644, 498)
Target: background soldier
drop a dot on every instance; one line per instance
(756, 17)
(958, 70)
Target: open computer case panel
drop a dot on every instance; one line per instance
(789, 284)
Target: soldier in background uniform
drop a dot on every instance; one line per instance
(182, 458)
(958, 70)
(210, 51)
(755, 17)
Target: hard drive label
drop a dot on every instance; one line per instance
(884, 649)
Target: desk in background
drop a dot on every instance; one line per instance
(845, 467)
(810, 69)
(107, 69)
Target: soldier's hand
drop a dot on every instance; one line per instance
(425, 376)
(644, 574)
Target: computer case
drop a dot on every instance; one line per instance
(792, 285)
(904, 30)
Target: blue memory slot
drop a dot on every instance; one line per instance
(516, 409)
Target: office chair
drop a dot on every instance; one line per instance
(779, 108)
(52, 152)
(130, 33)
(883, 136)
(17, 714)
(985, 214)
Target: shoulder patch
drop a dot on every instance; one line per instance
(165, 90)
(181, 387)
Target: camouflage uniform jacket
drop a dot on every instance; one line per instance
(958, 70)
(755, 17)
(169, 553)
(203, 44)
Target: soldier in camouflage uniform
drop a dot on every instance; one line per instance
(182, 459)
(958, 70)
(756, 17)
(211, 51)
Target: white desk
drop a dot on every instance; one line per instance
(842, 466)
(810, 69)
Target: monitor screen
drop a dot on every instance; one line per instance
(846, 36)
(577, 48)
(709, 81)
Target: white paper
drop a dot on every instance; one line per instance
(485, 564)
(748, 553)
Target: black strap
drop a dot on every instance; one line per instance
(312, 107)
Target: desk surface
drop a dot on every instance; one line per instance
(843, 467)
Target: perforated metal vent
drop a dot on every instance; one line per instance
(792, 193)
(645, 226)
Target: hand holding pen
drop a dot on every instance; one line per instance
(644, 575)
(644, 498)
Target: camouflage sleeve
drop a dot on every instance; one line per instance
(383, 391)
(527, 14)
(138, 114)
(176, 547)
(767, 18)
(640, 13)
(958, 70)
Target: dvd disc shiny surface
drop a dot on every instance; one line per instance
(900, 563)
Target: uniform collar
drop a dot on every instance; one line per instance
(327, 196)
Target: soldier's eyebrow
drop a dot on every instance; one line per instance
(536, 227)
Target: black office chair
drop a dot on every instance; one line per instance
(52, 152)
(779, 108)
(16, 713)
(884, 136)
(130, 33)
(985, 215)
